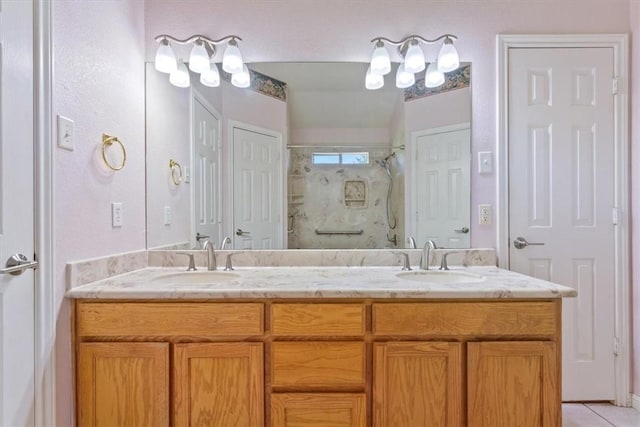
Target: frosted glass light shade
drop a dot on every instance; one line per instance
(448, 59)
(198, 58)
(403, 78)
(414, 58)
(165, 61)
(211, 77)
(373, 80)
(380, 60)
(433, 77)
(241, 79)
(232, 59)
(180, 77)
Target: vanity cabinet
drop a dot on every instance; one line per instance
(286, 363)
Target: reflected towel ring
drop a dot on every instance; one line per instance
(107, 141)
(175, 168)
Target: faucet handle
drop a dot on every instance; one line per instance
(192, 263)
(443, 263)
(406, 264)
(228, 264)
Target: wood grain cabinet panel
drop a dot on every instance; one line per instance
(218, 385)
(166, 319)
(513, 384)
(318, 410)
(317, 320)
(455, 319)
(318, 365)
(123, 384)
(417, 384)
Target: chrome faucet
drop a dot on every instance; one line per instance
(224, 242)
(443, 263)
(211, 255)
(412, 242)
(424, 259)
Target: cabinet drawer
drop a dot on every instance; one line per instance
(466, 318)
(165, 319)
(317, 319)
(313, 365)
(318, 410)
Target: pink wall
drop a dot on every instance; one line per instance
(98, 50)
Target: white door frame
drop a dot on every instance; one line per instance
(412, 222)
(231, 126)
(620, 45)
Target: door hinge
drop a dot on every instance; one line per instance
(615, 85)
(616, 346)
(615, 216)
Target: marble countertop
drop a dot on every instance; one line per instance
(318, 282)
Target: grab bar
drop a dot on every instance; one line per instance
(332, 232)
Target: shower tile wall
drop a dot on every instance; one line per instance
(318, 203)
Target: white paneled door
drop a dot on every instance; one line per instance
(561, 198)
(442, 194)
(17, 302)
(257, 190)
(207, 177)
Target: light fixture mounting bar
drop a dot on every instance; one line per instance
(414, 37)
(210, 44)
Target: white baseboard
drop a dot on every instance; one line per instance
(635, 401)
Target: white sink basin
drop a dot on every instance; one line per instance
(196, 277)
(437, 276)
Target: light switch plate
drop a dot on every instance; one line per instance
(485, 162)
(116, 214)
(65, 133)
(167, 215)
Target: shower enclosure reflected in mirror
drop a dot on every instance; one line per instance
(308, 158)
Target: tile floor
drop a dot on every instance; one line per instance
(598, 415)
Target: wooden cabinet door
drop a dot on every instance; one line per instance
(318, 410)
(513, 384)
(218, 384)
(417, 384)
(123, 384)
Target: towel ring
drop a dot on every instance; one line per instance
(107, 141)
(175, 167)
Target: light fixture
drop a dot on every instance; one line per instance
(201, 59)
(211, 77)
(198, 58)
(448, 59)
(414, 58)
(232, 59)
(373, 80)
(413, 61)
(180, 76)
(241, 79)
(380, 61)
(433, 77)
(404, 79)
(165, 58)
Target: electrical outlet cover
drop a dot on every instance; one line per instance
(484, 214)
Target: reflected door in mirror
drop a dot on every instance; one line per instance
(257, 194)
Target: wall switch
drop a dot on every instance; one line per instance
(484, 214)
(116, 214)
(187, 174)
(65, 133)
(167, 215)
(485, 162)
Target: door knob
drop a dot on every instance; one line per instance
(17, 264)
(521, 243)
(239, 232)
(200, 236)
(463, 230)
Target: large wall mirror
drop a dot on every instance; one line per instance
(308, 158)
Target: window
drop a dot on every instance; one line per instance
(341, 158)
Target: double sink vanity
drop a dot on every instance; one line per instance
(315, 338)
